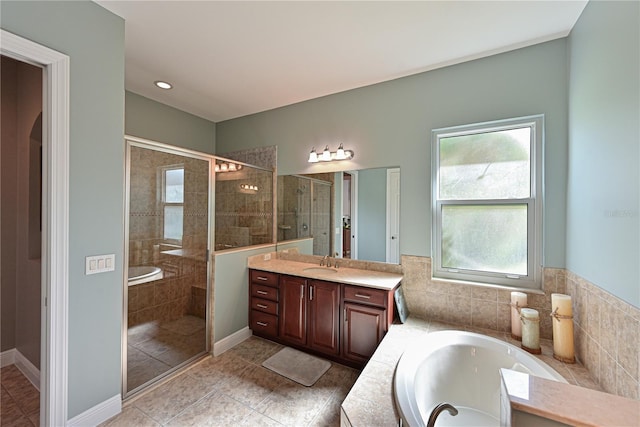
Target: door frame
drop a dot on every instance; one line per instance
(354, 213)
(393, 221)
(55, 222)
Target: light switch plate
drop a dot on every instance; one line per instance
(100, 263)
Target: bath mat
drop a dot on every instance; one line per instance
(297, 366)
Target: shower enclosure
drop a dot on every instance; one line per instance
(170, 198)
(304, 210)
(168, 202)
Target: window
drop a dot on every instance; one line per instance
(173, 202)
(487, 202)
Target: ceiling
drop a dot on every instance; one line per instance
(227, 59)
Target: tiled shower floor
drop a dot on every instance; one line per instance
(20, 400)
(155, 347)
(234, 389)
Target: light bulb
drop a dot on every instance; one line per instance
(313, 156)
(326, 154)
(340, 153)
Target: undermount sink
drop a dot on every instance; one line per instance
(320, 270)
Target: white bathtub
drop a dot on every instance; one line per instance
(462, 369)
(143, 274)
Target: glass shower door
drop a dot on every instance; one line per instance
(168, 242)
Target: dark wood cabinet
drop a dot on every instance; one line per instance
(324, 317)
(263, 303)
(310, 313)
(342, 322)
(367, 315)
(364, 328)
(293, 310)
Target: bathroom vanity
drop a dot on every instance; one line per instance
(338, 313)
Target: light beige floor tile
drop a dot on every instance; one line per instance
(217, 370)
(256, 419)
(329, 415)
(131, 416)
(168, 400)
(214, 410)
(256, 350)
(252, 385)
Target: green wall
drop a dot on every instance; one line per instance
(94, 40)
(389, 124)
(603, 208)
(152, 120)
(372, 215)
(231, 291)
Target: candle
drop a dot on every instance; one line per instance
(530, 330)
(562, 328)
(518, 301)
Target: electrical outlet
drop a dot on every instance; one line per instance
(267, 257)
(100, 263)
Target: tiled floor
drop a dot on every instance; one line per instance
(20, 400)
(156, 347)
(234, 389)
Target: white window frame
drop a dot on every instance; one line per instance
(532, 280)
(163, 192)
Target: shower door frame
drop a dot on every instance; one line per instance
(132, 141)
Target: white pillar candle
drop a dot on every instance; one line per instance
(562, 313)
(518, 301)
(530, 330)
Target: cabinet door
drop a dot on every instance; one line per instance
(364, 328)
(324, 317)
(293, 309)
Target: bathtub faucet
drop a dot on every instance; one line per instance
(438, 409)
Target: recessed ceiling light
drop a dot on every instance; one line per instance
(163, 85)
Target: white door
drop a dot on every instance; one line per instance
(393, 215)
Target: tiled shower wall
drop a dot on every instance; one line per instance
(606, 329)
(244, 217)
(182, 289)
(146, 210)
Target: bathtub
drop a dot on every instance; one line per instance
(462, 369)
(143, 274)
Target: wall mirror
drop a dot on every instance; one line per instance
(354, 214)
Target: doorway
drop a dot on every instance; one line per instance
(21, 158)
(55, 221)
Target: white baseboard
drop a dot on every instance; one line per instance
(8, 357)
(14, 357)
(28, 369)
(231, 341)
(98, 414)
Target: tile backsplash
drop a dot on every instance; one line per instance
(606, 329)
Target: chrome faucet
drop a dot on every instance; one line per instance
(438, 409)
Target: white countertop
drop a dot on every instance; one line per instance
(349, 276)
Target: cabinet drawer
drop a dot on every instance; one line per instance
(264, 292)
(365, 295)
(264, 305)
(264, 277)
(263, 323)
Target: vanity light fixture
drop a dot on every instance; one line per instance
(163, 85)
(328, 155)
(227, 167)
(249, 187)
